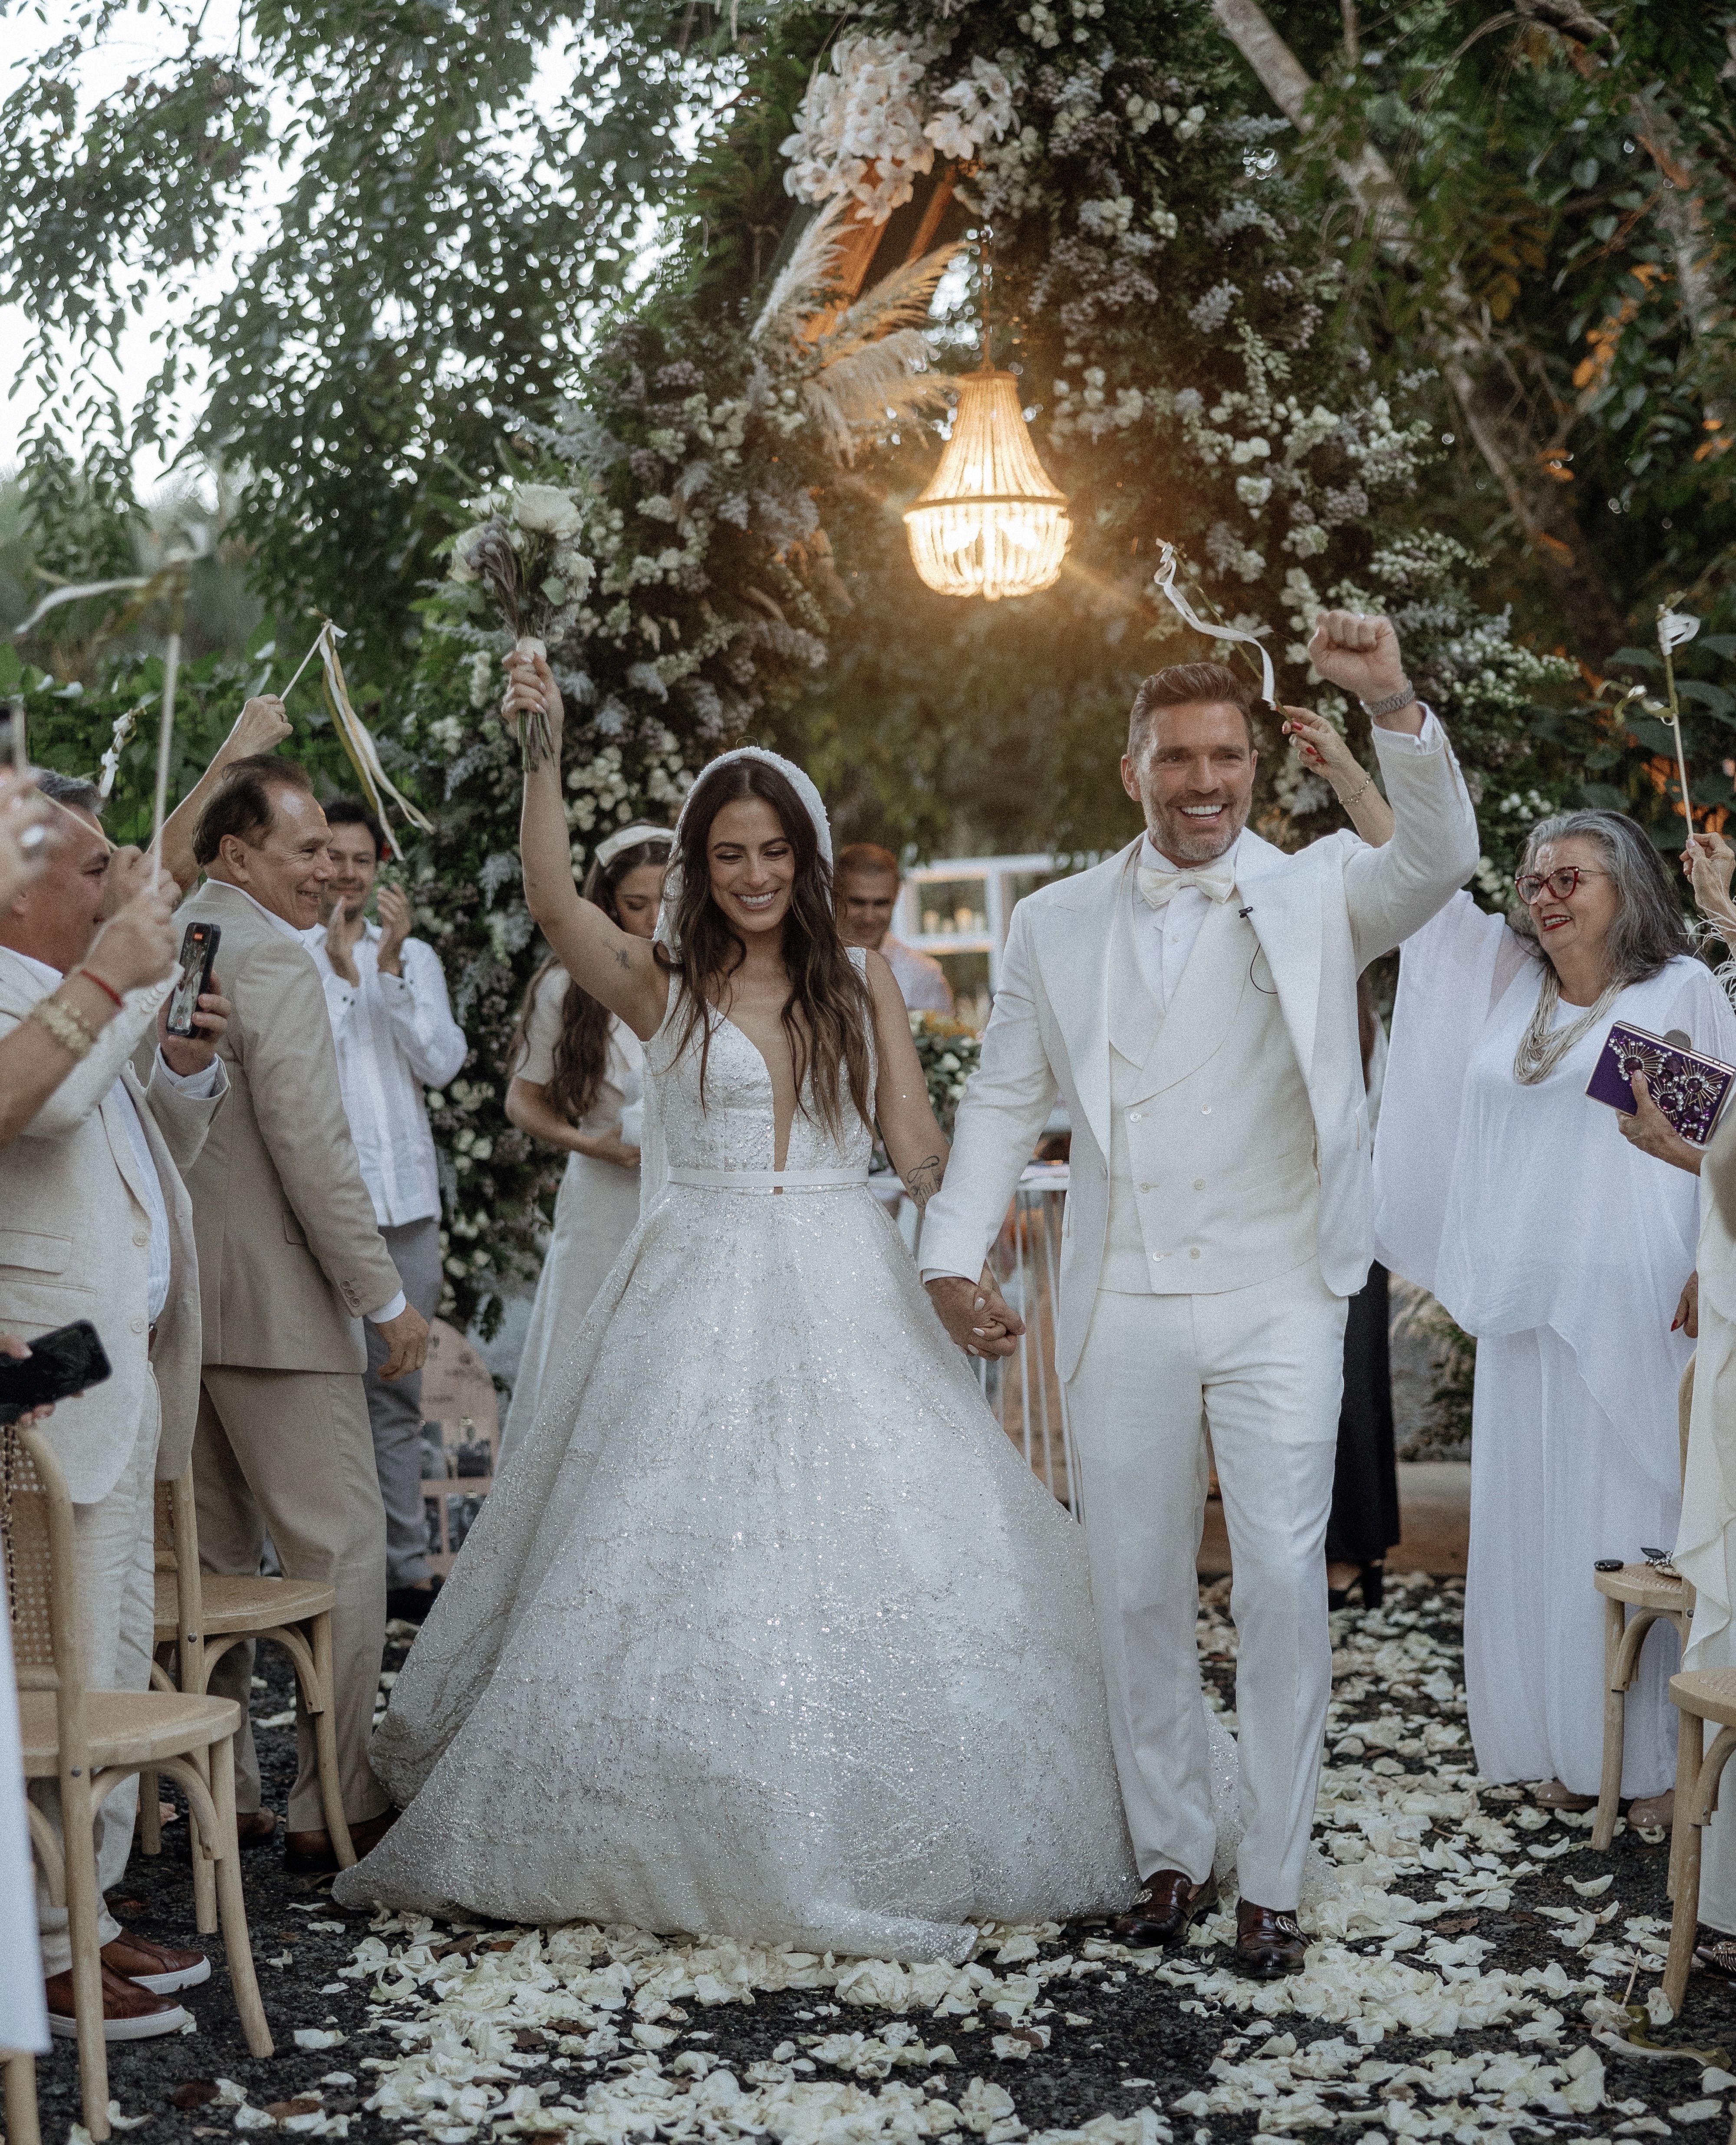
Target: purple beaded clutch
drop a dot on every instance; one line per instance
(1689, 1089)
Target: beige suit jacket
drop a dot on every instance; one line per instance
(291, 1258)
(75, 1239)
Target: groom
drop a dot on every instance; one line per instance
(1194, 999)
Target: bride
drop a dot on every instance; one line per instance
(766, 1630)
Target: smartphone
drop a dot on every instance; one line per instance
(198, 951)
(65, 1361)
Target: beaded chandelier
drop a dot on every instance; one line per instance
(990, 523)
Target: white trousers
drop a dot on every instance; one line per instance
(1553, 1487)
(1261, 1371)
(114, 1540)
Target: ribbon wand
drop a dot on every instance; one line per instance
(1163, 580)
(1675, 627)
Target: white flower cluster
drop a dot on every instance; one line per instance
(870, 125)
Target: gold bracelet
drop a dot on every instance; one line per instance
(1356, 795)
(67, 1028)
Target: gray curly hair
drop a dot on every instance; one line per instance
(1650, 927)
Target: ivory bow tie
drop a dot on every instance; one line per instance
(1216, 882)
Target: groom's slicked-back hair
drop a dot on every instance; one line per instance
(1184, 685)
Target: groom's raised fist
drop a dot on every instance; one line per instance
(1359, 653)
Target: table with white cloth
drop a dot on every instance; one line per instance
(1563, 1250)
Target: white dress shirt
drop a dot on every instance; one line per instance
(395, 1036)
(201, 1086)
(387, 1311)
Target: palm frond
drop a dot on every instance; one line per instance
(860, 391)
(808, 272)
(900, 299)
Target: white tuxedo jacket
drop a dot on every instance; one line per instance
(75, 1239)
(1321, 916)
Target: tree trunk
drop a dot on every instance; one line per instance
(1540, 506)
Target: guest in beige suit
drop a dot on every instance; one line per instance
(94, 1223)
(291, 1261)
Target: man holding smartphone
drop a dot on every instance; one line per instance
(292, 1266)
(96, 1224)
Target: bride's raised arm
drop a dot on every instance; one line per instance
(615, 968)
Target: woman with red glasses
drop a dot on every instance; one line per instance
(1553, 1237)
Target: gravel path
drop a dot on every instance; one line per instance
(1465, 1983)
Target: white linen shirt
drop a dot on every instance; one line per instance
(395, 1036)
(201, 1086)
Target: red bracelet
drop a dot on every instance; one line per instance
(107, 990)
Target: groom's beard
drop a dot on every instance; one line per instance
(1185, 841)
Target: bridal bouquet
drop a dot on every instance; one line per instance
(524, 556)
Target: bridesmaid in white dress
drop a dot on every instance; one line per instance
(767, 1631)
(1535, 1215)
(575, 1068)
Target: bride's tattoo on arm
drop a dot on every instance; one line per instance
(923, 1181)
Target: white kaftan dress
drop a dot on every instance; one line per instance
(1563, 1250)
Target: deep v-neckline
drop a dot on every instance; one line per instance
(770, 1081)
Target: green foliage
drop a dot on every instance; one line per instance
(68, 726)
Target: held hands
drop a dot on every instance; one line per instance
(1360, 654)
(406, 1337)
(607, 1147)
(192, 1053)
(976, 1315)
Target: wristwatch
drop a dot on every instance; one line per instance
(1392, 704)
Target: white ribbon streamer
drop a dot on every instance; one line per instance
(1164, 580)
(377, 785)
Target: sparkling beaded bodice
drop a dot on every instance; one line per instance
(732, 1126)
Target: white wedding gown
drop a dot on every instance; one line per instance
(766, 1630)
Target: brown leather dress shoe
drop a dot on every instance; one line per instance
(256, 1828)
(1268, 1943)
(129, 2012)
(312, 1854)
(1163, 1911)
(162, 1968)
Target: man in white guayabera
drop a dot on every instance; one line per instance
(1194, 1000)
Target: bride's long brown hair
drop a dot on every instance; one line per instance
(827, 1012)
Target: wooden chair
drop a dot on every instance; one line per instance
(21, 2128)
(1634, 1599)
(1701, 1695)
(92, 1740)
(203, 1614)
(461, 1418)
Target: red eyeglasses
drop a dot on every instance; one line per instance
(1533, 885)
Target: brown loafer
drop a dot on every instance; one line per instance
(256, 1828)
(1268, 1943)
(312, 1854)
(1163, 1911)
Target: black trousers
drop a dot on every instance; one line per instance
(1364, 1521)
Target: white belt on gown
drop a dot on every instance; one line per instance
(768, 1180)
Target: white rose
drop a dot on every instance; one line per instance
(544, 510)
(458, 567)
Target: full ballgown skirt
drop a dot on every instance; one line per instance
(1563, 1251)
(766, 1630)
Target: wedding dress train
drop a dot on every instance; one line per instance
(766, 1630)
